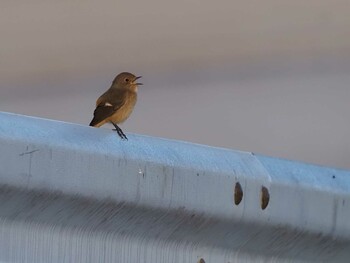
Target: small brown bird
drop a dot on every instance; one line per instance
(117, 103)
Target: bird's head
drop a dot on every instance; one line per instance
(126, 80)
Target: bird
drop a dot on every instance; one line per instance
(117, 103)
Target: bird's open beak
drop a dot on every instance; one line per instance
(137, 83)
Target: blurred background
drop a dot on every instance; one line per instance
(270, 77)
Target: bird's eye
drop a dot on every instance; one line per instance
(126, 80)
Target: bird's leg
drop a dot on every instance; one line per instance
(119, 131)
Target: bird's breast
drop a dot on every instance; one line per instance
(124, 111)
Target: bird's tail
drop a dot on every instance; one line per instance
(96, 123)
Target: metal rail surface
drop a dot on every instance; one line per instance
(72, 193)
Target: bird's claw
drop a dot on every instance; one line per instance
(121, 134)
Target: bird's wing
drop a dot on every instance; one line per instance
(106, 108)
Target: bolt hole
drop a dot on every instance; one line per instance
(265, 197)
(201, 261)
(238, 196)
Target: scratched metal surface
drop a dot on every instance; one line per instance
(77, 194)
(50, 227)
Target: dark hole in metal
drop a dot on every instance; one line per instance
(265, 197)
(238, 195)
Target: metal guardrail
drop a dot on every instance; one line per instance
(71, 193)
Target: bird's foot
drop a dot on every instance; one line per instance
(121, 134)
